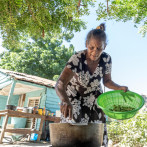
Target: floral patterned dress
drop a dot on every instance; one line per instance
(84, 88)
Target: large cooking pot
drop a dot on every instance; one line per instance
(68, 135)
(11, 107)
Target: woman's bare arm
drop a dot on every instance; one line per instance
(62, 82)
(107, 81)
(61, 85)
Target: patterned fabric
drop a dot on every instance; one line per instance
(84, 88)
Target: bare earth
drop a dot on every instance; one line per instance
(36, 144)
(29, 144)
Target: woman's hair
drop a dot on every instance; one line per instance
(98, 33)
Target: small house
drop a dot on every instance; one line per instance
(23, 90)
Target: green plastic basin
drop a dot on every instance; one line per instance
(107, 100)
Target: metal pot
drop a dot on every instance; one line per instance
(11, 107)
(68, 135)
(25, 109)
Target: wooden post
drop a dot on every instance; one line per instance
(40, 128)
(11, 92)
(3, 128)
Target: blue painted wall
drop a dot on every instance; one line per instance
(3, 101)
(52, 100)
(39, 93)
(49, 98)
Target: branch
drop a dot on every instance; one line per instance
(9, 6)
(29, 8)
(107, 7)
(43, 33)
(78, 6)
(79, 3)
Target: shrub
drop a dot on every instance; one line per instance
(131, 132)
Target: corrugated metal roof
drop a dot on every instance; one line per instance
(29, 78)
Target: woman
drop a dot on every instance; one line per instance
(79, 84)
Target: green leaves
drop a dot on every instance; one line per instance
(131, 132)
(32, 17)
(41, 57)
(125, 10)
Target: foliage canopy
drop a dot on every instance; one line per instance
(130, 132)
(44, 20)
(40, 17)
(125, 10)
(44, 57)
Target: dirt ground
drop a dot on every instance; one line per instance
(29, 144)
(35, 144)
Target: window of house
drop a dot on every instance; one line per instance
(32, 102)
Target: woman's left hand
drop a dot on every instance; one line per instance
(124, 88)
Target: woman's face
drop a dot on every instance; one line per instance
(95, 49)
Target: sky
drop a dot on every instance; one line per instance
(128, 51)
(127, 48)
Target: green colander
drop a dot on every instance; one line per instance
(107, 100)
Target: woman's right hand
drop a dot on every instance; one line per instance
(124, 88)
(66, 109)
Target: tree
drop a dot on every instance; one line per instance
(125, 10)
(40, 17)
(44, 57)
